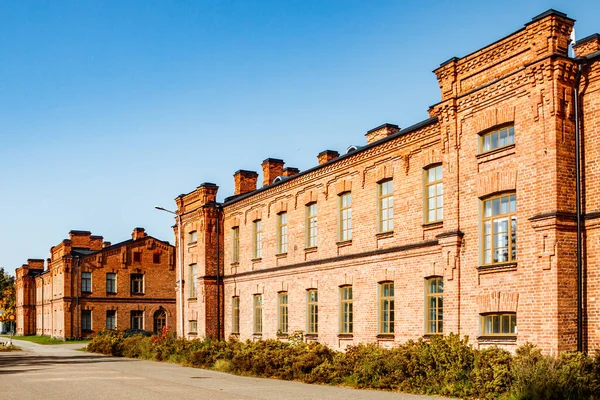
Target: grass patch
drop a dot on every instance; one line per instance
(48, 340)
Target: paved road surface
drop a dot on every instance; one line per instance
(60, 372)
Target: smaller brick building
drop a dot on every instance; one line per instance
(88, 285)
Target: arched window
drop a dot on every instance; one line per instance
(160, 320)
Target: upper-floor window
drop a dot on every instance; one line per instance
(499, 324)
(86, 282)
(193, 282)
(282, 233)
(258, 321)
(434, 194)
(111, 282)
(311, 225)
(257, 239)
(137, 283)
(346, 309)
(313, 311)
(385, 207)
(235, 314)
(156, 258)
(495, 139)
(192, 237)
(282, 324)
(235, 244)
(386, 307)
(434, 305)
(500, 229)
(345, 217)
(137, 256)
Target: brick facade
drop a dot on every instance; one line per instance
(522, 83)
(55, 298)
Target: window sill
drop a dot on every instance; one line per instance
(235, 264)
(193, 333)
(137, 294)
(256, 260)
(281, 255)
(344, 243)
(430, 335)
(192, 298)
(111, 293)
(386, 336)
(497, 338)
(384, 235)
(496, 153)
(310, 249)
(282, 336)
(192, 243)
(500, 267)
(257, 335)
(85, 293)
(433, 225)
(345, 335)
(311, 335)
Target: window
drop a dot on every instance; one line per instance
(386, 308)
(235, 238)
(499, 324)
(282, 233)
(282, 325)
(235, 314)
(192, 237)
(345, 217)
(156, 258)
(137, 256)
(346, 309)
(311, 225)
(137, 320)
(495, 139)
(86, 282)
(111, 283)
(137, 283)
(257, 239)
(434, 194)
(386, 206)
(313, 312)
(193, 328)
(434, 305)
(193, 270)
(500, 229)
(111, 319)
(86, 320)
(258, 314)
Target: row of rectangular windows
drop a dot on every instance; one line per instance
(136, 320)
(491, 324)
(136, 283)
(499, 223)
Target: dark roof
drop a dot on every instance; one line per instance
(76, 232)
(86, 252)
(430, 121)
(587, 39)
(548, 13)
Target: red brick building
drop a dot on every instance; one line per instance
(415, 233)
(88, 285)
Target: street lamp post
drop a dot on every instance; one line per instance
(180, 267)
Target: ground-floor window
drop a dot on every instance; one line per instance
(160, 320)
(137, 319)
(499, 324)
(86, 320)
(346, 309)
(235, 314)
(111, 319)
(193, 326)
(434, 304)
(258, 322)
(313, 311)
(386, 307)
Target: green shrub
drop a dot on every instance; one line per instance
(443, 365)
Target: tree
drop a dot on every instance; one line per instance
(7, 294)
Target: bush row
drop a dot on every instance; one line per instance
(443, 365)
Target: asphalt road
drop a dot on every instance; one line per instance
(61, 372)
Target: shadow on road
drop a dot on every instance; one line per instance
(10, 363)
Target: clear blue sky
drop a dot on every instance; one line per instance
(108, 108)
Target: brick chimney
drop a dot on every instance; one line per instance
(138, 233)
(106, 244)
(96, 242)
(80, 239)
(327, 155)
(245, 181)
(587, 45)
(272, 168)
(290, 171)
(381, 132)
